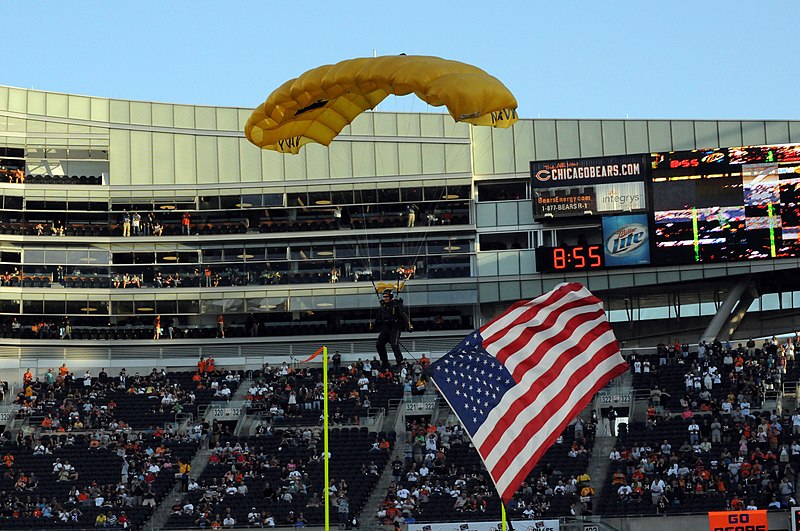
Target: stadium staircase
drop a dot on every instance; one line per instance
(199, 462)
(393, 421)
(599, 464)
(162, 513)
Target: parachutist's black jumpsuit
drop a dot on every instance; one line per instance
(392, 319)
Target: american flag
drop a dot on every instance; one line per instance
(519, 380)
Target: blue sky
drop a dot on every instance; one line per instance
(566, 59)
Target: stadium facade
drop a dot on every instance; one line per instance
(289, 250)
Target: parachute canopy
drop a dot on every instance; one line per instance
(316, 106)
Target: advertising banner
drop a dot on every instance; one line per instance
(738, 521)
(519, 525)
(620, 197)
(561, 202)
(626, 240)
(579, 172)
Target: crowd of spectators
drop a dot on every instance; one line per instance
(441, 478)
(65, 402)
(707, 443)
(287, 395)
(275, 478)
(103, 450)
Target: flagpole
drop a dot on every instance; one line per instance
(503, 513)
(325, 437)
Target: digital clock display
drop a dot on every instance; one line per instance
(569, 258)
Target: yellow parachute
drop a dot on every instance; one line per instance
(316, 106)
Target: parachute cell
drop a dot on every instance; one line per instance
(316, 106)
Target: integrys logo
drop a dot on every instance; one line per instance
(626, 239)
(543, 175)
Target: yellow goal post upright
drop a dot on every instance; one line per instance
(326, 452)
(326, 460)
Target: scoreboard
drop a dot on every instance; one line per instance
(570, 258)
(676, 208)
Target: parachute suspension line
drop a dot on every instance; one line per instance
(439, 194)
(366, 245)
(358, 169)
(415, 256)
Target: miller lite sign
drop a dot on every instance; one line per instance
(626, 240)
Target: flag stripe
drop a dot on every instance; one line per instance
(538, 387)
(519, 313)
(510, 485)
(536, 349)
(537, 414)
(540, 319)
(539, 364)
(509, 343)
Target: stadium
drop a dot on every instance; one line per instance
(164, 283)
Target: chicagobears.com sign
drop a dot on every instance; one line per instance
(738, 521)
(597, 170)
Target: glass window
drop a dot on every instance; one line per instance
(297, 199)
(166, 307)
(342, 197)
(33, 307)
(144, 258)
(209, 203)
(411, 194)
(122, 307)
(389, 195)
(145, 308)
(212, 255)
(12, 202)
(182, 204)
(346, 250)
(250, 201)
(276, 253)
(121, 258)
(97, 206)
(436, 246)
(100, 308)
(34, 256)
(11, 257)
(229, 202)
(457, 192)
(188, 306)
(300, 253)
(272, 200)
(99, 256)
(366, 196)
(140, 204)
(320, 198)
(56, 256)
(323, 251)
(496, 191)
(167, 257)
(188, 257)
(9, 306)
(55, 205)
(391, 248)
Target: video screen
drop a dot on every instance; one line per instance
(756, 154)
(750, 212)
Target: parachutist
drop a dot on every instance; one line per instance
(392, 319)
